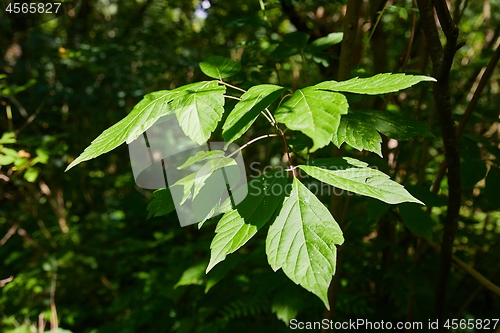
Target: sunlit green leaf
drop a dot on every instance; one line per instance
(357, 133)
(248, 109)
(302, 240)
(315, 113)
(193, 182)
(199, 108)
(362, 180)
(239, 225)
(375, 85)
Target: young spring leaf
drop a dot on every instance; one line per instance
(219, 67)
(199, 109)
(315, 113)
(239, 225)
(375, 85)
(362, 180)
(302, 240)
(248, 109)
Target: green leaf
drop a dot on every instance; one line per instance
(161, 203)
(248, 109)
(287, 303)
(199, 108)
(201, 156)
(219, 67)
(8, 137)
(359, 129)
(430, 199)
(302, 240)
(394, 125)
(472, 171)
(358, 133)
(375, 209)
(314, 113)
(193, 275)
(323, 43)
(239, 225)
(142, 117)
(415, 219)
(31, 175)
(362, 180)
(375, 85)
(193, 182)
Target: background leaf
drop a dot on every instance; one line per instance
(472, 171)
(219, 67)
(415, 219)
(323, 43)
(161, 203)
(302, 240)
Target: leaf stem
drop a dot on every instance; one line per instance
(250, 142)
(232, 97)
(231, 86)
(290, 162)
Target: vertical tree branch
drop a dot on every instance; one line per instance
(442, 60)
(350, 28)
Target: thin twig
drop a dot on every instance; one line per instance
(250, 142)
(290, 162)
(471, 271)
(53, 310)
(231, 86)
(233, 97)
